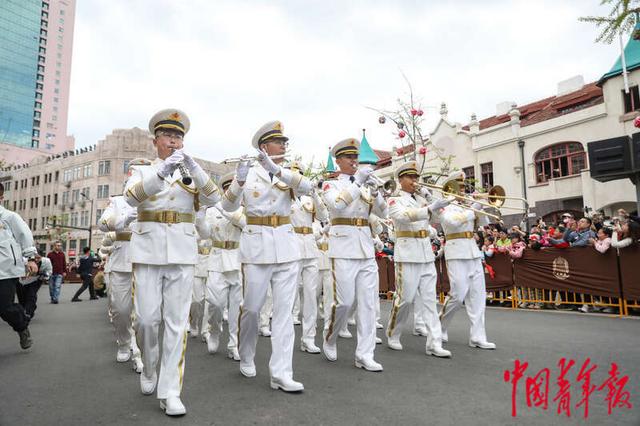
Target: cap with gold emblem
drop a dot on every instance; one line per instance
(271, 131)
(296, 165)
(346, 147)
(407, 169)
(226, 178)
(171, 119)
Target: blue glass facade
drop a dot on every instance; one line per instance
(20, 54)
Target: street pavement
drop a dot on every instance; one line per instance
(70, 377)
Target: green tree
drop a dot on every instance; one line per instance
(621, 19)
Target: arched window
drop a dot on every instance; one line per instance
(563, 159)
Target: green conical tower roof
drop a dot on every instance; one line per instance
(631, 56)
(366, 156)
(330, 167)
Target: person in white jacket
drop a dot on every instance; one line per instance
(268, 252)
(304, 211)
(164, 251)
(350, 199)
(224, 280)
(416, 275)
(17, 259)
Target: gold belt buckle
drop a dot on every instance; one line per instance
(422, 233)
(357, 221)
(170, 217)
(273, 220)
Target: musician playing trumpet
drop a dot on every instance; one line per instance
(415, 270)
(163, 252)
(464, 265)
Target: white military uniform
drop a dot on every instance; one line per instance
(416, 275)
(196, 312)
(223, 269)
(466, 273)
(268, 258)
(164, 252)
(118, 274)
(304, 210)
(355, 271)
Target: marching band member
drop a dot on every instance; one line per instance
(196, 312)
(266, 252)
(115, 221)
(419, 313)
(355, 272)
(464, 266)
(224, 281)
(163, 251)
(304, 210)
(416, 275)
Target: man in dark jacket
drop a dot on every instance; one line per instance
(85, 271)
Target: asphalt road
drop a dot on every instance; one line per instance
(70, 377)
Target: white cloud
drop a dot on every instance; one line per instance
(233, 65)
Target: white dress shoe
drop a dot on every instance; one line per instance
(379, 326)
(351, 321)
(378, 341)
(345, 334)
(368, 364)
(123, 355)
(438, 351)
(330, 351)
(204, 336)
(420, 331)
(137, 365)
(309, 346)
(232, 353)
(287, 385)
(213, 340)
(394, 344)
(264, 331)
(194, 333)
(482, 345)
(248, 370)
(172, 406)
(148, 384)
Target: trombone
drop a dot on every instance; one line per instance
(452, 189)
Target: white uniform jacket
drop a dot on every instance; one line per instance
(159, 243)
(454, 220)
(219, 226)
(345, 199)
(16, 245)
(113, 220)
(303, 212)
(411, 214)
(262, 196)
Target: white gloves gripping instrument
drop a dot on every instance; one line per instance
(191, 165)
(242, 169)
(170, 164)
(362, 175)
(267, 163)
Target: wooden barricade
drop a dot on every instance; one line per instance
(630, 276)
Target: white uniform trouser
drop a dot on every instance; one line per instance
(265, 312)
(163, 294)
(121, 305)
(419, 313)
(308, 283)
(196, 313)
(223, 286)
(354, 279)
(256, 280)
(466, 277)
(325, 281)
(415, 284)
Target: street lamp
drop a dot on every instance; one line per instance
(90, 217)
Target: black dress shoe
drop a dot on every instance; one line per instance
(75, 299)
(25, 339)
(55, 302)
(94, 298)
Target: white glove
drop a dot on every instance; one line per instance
(440, 204)
(242, 170)
(424, 192)
(191, 164)
(378, 244)
(363, 174)
(267, 163)
(131, 216)
(373, 184)
(170, 164)
(476, 206)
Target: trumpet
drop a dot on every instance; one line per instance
(388, 187)
(237, 160)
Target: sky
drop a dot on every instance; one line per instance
(318, 66)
